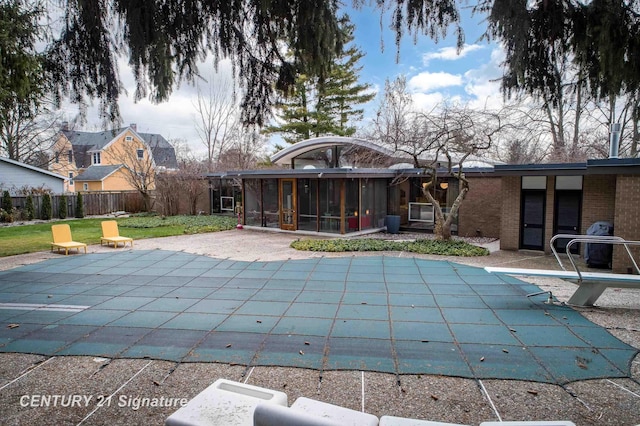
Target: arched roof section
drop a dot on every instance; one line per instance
(285, 156)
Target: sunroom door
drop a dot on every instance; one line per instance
(288, 208)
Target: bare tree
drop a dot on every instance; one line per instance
(187, 183)
(445, 136)
(524, 137)
(168, 194)
(138, 169)
(624, 110)
(246, 149)
(464, 133)
(28, 132)
(398, 125)
(216, 117)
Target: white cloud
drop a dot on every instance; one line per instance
(173, 119)
(428, 81)
(483, 84)
(427, 101)
(450, 53)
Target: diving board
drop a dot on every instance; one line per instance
(591, 285)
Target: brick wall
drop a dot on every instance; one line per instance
(627, 219)
(481, 211)
(510, 221)
(598, 200)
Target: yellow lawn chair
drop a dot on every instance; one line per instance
(62, 239)
(110, 234)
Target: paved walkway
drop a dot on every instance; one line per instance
(131, 305)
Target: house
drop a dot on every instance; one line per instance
(113, 160)
(331, 185)
(15, 175)
(342, 185)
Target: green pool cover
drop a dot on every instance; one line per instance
(386, 314)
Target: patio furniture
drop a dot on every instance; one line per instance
(62, 239)
(110, 234)
(529, 423)
(402, 421)
(308, 412)
(225, 403)
(590, 284)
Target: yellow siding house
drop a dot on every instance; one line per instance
(115, 160)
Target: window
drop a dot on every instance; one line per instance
(57, 158)
(252, 202)
(128, 138)
(96, 158)
(70, 155)
(70, 178)
(140, 154)
(85, 186)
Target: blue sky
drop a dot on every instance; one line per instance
(435, 72)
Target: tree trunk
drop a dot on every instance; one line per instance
(146, 201)
(442, 227)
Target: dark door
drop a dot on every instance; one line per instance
(567, 218)
(532, 219)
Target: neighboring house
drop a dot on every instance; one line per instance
(15, 175)
(111, 160)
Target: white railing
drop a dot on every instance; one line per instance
(593, 239)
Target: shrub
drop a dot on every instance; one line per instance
(62, 207)
(30, 212)
(79, 206)
(444, 248)
(46, 207)
(5, 217)
(7, 207)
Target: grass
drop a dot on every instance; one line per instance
(35, 237)
(426, 246)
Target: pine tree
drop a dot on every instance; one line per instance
(79, 206)
(342, 90)
(29, 209)
(320, 107)
(297, 115)
(62, 207)
(600, 35)
(46, 207)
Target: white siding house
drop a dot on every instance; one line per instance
(15, 175)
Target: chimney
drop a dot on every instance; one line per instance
(614, 140)
(64, 126)
(133, 127)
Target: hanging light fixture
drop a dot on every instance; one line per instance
(444, 185)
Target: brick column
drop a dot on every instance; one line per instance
(510, 221)
(480, 213)
(627, 219)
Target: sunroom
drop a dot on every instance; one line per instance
(332, 185)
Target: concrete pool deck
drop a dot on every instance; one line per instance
(25, 378)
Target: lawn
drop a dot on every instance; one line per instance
(37, 236)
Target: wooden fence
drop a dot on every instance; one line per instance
(94, 203)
